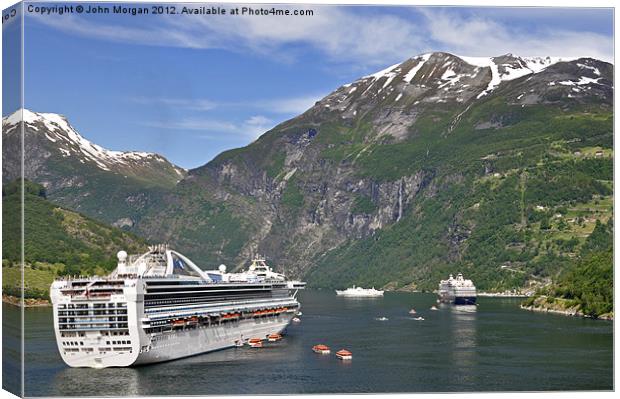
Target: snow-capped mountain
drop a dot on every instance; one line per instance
(80, 174)
(368, 158)
(70, 143)
(395, 96)
(418, 156)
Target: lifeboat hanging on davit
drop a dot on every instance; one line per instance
(163, 294)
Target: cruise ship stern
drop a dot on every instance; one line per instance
(96, 321)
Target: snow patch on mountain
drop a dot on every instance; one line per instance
(413, 71)
(593, 69)
(384, 72)
(59, 131)
(503, 68)
(584, 80)
(513, 69)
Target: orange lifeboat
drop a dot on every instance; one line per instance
(344, 354)
(178, 323)
(321, 349)
(274, 337)
(255, 342)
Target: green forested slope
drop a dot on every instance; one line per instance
(509, 205)
(587, 285)
(57, 241)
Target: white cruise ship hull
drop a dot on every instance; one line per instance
(356, 295)
(177, 345)
(128, 328)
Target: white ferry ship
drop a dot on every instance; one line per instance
(160, 306)
(360, 292)
(458, 291)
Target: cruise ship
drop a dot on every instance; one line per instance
(458, 291)
(160, 306)
(360, 292)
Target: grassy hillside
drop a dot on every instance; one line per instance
(57, 241)
(509, 206)
(586, 286)
(391, 181)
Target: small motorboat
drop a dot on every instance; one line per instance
(274, 337)
(419, 318)
(299, 313)
(296, 320)
(412, 311)
(383, 318)
(434, 307)
(344, 354)
(321, 349)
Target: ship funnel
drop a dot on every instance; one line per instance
(122, 261)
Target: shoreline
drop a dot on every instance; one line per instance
(542, 306)
(502, 295)
(28, 302)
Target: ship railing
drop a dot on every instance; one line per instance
(93, 322)
(87, 279)
(252, 303)
(91, 313)
(93, 296)
(66, 329)
(107, 286)
(231, 307)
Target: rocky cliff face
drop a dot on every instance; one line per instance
(398, 176)
(337, 173)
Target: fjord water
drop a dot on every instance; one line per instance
(496, 347)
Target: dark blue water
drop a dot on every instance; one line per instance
(497, 347)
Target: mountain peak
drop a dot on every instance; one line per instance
(66, 139)
(503, 67)
(447, 71)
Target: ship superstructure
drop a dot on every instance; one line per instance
(458, 291)
(160, 306)
(360, 292)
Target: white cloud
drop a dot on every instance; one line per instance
(287, 105)
(477, 36)
(257, 125)
(190, 104)
(293, 105)
(209, 128)
(258, 120)
(345, 35)
(342, 35)
(194, 124)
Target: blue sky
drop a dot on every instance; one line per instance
(189, 87)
